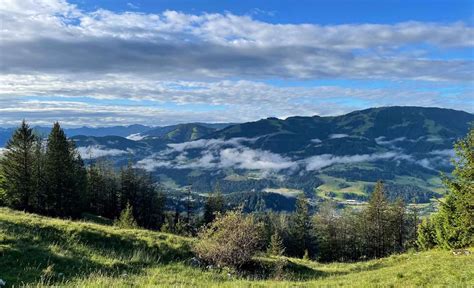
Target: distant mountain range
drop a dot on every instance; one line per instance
(130, 131)
(337, 158)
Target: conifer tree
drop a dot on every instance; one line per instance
(377, 221)
(214, 204)
(126, 219)
(39, 181)
(301, 228)
(16, 165)
(276, 247)
(65, 175)
(455, 219)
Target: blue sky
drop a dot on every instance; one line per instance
(110, 62)
(306, 11)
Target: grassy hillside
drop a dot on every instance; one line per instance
(37, 250)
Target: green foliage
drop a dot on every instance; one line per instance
(230, 241)
(16, 168)
(214, 205)
(126, 219)
(426, 235)
(455, 225)
(377, 214)
(301, 228)
(65, 176)
(276, 247)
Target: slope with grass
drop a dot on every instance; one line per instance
(41, 251)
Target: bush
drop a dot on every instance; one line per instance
(230, 241)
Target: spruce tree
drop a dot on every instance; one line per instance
(65, 176)
(39, 181)
(17, 168)
(377, 222)
(301, 227)
(455, 219)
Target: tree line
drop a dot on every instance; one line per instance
(48, 177)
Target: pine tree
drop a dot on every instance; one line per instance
(126, 219)
(17, 168)
(455, 219)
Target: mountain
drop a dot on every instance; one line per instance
(338, 158)
(181, 132)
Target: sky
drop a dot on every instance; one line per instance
(113, 62)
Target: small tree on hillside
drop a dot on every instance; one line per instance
(126, 219)
(276, 247)
(231, 240)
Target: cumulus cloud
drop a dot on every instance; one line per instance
(97, 151)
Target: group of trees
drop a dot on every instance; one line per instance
(331, 234)
(49, 177)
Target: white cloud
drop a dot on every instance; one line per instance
(53, 36)
(337, 136)
(53, 48)
(321, 161)
(96, 151)
(135, 137)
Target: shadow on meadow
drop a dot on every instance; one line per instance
(31, 252)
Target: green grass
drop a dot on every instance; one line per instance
(40, 251)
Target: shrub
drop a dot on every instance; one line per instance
(230, 241)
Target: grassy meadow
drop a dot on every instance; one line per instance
(39, 251)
